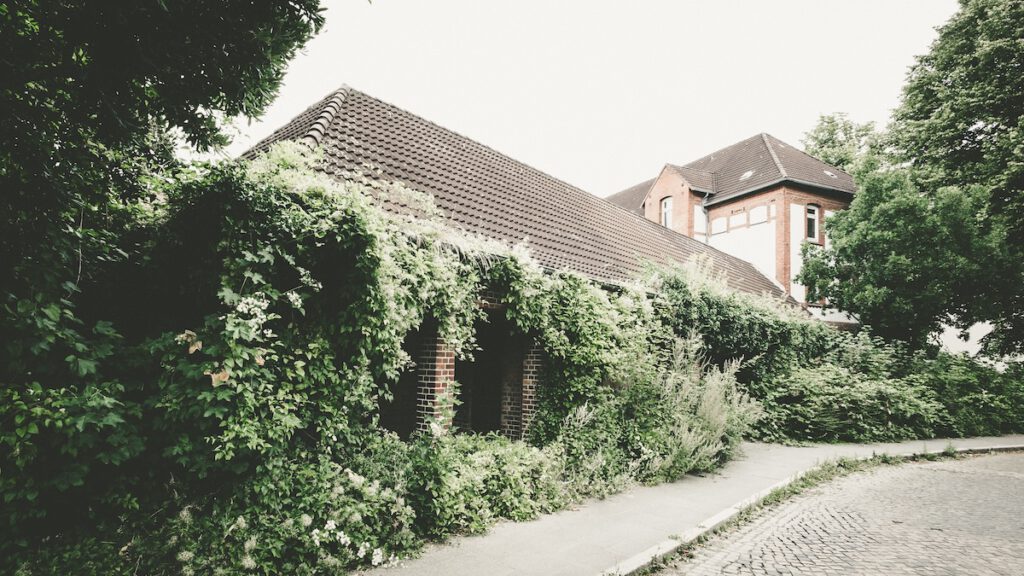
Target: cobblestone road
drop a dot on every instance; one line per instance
(936, 518)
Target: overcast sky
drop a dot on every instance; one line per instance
(601, 94)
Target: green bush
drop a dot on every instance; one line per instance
(686, 416)
(691, 416)
(818, 383)
(831, 403)
(978, 399)
(767, 335)
(462, 483)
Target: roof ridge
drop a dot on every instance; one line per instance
(317, 129)
(775, 157)
(812, 157)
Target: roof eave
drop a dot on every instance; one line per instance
(713, 200)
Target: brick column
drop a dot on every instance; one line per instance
(512, 409)
(435, 371)
(530, 380)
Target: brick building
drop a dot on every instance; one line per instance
(487, 193)
(759, 199)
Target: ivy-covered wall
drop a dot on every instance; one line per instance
(224, 416)
(227, 420)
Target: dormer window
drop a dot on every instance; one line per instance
(666, 212)
(813, 224)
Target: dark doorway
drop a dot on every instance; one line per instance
(399, 415)
(495, 371)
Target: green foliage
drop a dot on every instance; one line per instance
(463, 483)
(298, 518)
(817, 383)
(768, 336)
(685, 416)
(900, 261)
(692, 416)
(593, 340)
(280, 328)
(841, 142)
(239, 430)
(978, 399)
(936, 230)
(830, 403)
(87, 108)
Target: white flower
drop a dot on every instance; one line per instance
(343, 538)
(378, 556)
(363, 548)
(250, 544)
(185, 556)
(306, 520)
(295, 299)
(240, 523)
(315, 535)
(330, 526)
(248, 563)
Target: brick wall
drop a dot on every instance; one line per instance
(671, 184)
(531, 381)
(519, 400)
(435, 370)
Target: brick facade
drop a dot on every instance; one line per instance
(435, 371)
(519, 402)
(781, 197)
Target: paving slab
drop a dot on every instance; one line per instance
(625, 531)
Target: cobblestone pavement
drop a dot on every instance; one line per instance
(936, 518)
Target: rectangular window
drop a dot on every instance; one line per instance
(812, 222)
(666, 212)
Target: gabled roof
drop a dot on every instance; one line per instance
(484, 192)
(632, 198)
(756, 163)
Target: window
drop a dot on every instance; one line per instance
(812, 222)
(666, 212)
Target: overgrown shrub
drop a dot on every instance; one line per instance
(831, 403)
(818, 383)
(462, 483)
(769, 336)
(979, 400)
(686, 416)
(691, 416)
(294, 518)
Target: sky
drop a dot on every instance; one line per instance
(602, 94)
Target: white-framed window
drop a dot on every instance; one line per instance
(813, 222)
(666, 212)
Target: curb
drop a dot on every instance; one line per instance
(635, 563)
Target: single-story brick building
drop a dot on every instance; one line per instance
(484, 192)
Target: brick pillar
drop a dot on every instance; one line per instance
(512, 408)
(435, 371)
(530, 380)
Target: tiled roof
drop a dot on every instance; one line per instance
(484, 192)
(632, 198)
(756, 163)
(700, 180)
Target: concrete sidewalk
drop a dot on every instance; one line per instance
(625, 531)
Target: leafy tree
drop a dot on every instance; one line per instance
(961, 122)
(840, 141)
(901, 261)
(93, 98)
